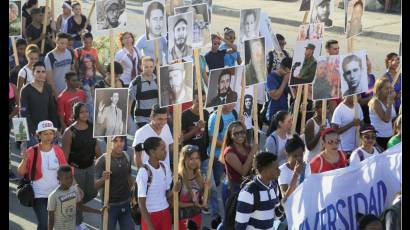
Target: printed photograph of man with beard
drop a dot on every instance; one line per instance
(180, 36)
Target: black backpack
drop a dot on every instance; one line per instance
(231, 202)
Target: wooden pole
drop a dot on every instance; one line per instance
(88, 18)
(303, 120)
(43, 42)
(242, 98)
(213, 146)
(109, 140)
(255, 115)
(198, 83)
(355, 102)
(53, 17)
(157, 58)
(296, 108)
(176, 133)
(324, 109)
(16, 57)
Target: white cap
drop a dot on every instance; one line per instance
(45, 125)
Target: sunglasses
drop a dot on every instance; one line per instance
(331, 142)
(239, 133)
(217, 43)
(192, 148)
(369, 137)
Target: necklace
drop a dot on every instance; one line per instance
(117, 161)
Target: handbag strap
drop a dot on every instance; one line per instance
(33, 167)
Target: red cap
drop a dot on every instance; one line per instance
(326, 131)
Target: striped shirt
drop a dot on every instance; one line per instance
(147, 97)
(250, 217)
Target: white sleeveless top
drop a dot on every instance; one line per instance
(309, 154)
(383, 129)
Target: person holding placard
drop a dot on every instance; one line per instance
(106, 82)
(392, 62)
(25, 75)
(63, 18)
(230, 59)
(121, 181)
(129, 57)
(147, 48)
(76, 23)
(313, 130)
(215, 58)
(21, 46)
(345, 123)
(278, 89)
(277, 135)
(26, 18)
(367, 147)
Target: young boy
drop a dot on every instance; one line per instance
(62, 202)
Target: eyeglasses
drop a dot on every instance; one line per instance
(331, 142)
(239, 133)
(369, 137)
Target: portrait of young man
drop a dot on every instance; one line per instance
(155, 19)
(355, 11)
(354, 74)
(322, 12)
(110, 112)
(111, 14)
(176, 84)
(224, 86)
(255, 61)
(180, 36)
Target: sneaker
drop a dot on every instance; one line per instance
(205, 211)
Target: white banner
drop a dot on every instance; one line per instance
(331, 200)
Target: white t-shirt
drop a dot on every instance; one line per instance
(355, 157)
(145, 132)
(27, 74)
(286, 174)
(48, 182)
(384, 129)
(156, 199)
(342, 116)
(122, 57)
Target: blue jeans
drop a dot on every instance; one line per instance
(226, 189)
(40, 209)
(122, 214)
(213, 196)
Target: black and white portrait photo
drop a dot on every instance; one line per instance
(353, 73)
(111, 14)
(180, 36)
(176, 84)
(322, 11)
(304, 61)
(224, 86)
(155, 19)
(196, 2)
(354, 13)
(15, 23)
(201, 34)
(255, 61)
(110, 112)
(249, 27)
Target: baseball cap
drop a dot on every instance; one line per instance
(367, 128)
(45, 125)
(310, 46)
(327, 131)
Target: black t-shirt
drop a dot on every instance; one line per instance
(28, 17)
(33, 33)
(215, 60)
(189, 121)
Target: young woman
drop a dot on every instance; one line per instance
(331, 157)
(80, 149)
(26, 14)
(153, 197)
(128, 56)
(368, 147)
(120, 185)
(294, 171)
(238, 156)
(76, 23)
(193, 186)
(278, 134)
(49, 158)
(381, 111)
(392, 62)
(63, 18)
(313, 130)
(25, 75)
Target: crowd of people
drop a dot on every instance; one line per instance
(54, 91)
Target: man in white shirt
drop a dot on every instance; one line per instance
(344, 122)
(111, 116)
(157, 127)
